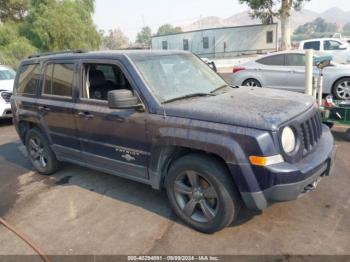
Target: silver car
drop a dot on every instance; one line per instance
(286, 70)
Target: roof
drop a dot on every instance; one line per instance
(215, 28)
(322, 39)
(113, 54)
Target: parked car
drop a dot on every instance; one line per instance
(165, 119)
(7, 76)
(336, 47)
(286, 70)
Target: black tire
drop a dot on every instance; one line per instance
(341, 89)
(40, 153)
(251, 82)
(347, 134)
(215, 193)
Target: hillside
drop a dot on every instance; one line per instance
(333, 14)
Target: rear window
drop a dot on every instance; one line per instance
(315, 45)
(29, 75)
(274, 60)
(59, 80)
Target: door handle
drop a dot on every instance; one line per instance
(44, 108)
(85, 114)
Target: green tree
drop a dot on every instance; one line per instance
(13, 47)
(13, 10)
(114, 39)
(319, 25)
(346, 28)
(168, 29)
(53, 25)
(144, 36)
(267, 10)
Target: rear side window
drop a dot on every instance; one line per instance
(295, 60)
(274, 60)
(59, 80)
(29, 75)
(315, 45)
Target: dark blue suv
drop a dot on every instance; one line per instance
(167, 120)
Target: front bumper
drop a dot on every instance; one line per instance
(294, 180)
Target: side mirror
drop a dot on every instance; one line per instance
(123, 99)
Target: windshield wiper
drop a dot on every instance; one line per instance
(188, 96)
(220, 87)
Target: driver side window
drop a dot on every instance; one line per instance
(99, 79)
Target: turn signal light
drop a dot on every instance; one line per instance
(265, 161)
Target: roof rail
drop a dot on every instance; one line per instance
(56, 53)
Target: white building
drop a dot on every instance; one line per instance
(222, 42)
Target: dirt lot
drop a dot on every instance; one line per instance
(80, 211)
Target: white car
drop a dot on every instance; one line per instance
(339, 49)
(7, 77)
(286, 70)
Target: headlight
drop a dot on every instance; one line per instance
(288, 140)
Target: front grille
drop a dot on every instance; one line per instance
(6, 96)
(311, 131)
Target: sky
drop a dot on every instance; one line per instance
(131, 15)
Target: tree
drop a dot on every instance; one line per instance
(115, 39)
(53, 25)
(266, 10)
(168, 29)
(13, 10)
(319, 25)
(346, 28)
(13, 47)
(144, 36)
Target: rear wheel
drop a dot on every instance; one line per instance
(341, 89)
(251, 82)
(40, 153)
(202, 193)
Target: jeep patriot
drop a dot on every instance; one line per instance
(164, 118)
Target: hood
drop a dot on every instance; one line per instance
(6, 85)
(260, 108)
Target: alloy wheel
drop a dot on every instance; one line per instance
(343, 90)
(37, 152)
(196, 197)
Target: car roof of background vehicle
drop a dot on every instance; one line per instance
(3, 67)
(114, 54)
(323, 39)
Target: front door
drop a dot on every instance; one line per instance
(112, 140)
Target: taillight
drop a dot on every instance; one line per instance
(237, 69)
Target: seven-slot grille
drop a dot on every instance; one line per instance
(311, 131)
(6, 96)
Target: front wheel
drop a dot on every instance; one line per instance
(341, 89)
(40, 153)
(202, 193)
(347, 134)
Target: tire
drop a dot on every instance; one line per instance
(202, 193)
(347, 135)
(341, 89)
(251, 82)
(40, 153)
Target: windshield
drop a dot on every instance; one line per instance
(177, 75)
(7, 74)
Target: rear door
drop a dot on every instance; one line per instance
(273, 71)
(296, 78)
(56, 105)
